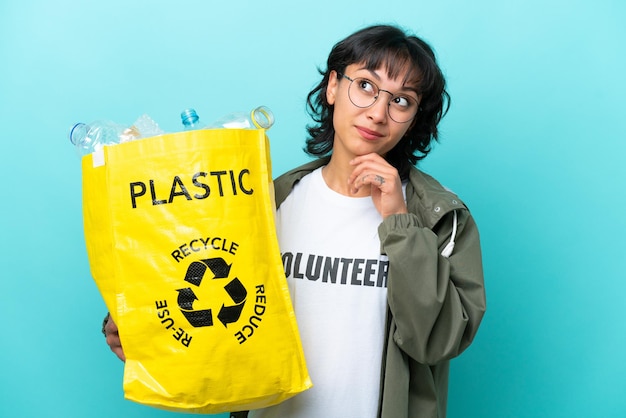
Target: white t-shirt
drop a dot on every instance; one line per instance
(338, 283)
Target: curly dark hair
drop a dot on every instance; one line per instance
(389, 47)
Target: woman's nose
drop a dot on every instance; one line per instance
(378, 110)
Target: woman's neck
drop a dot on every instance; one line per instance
(336, 174)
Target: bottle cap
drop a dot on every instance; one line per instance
(189, 116)
(262, 117)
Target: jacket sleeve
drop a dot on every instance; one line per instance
(436, 303)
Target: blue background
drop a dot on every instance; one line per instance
(534, 142)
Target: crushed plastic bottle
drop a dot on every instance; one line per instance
(147, 127)
(258, 118)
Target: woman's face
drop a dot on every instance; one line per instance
(360, 131)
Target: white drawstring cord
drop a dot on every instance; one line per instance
(447, 251)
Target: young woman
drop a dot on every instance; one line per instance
(383, 263)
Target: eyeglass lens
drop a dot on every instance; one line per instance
(363, 93)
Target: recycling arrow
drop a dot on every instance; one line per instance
(201, 318)
(238, 293)
(218, 267)
(186, 298)
(195, 273)
(235, 289)
(196, 270)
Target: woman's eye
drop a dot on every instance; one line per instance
(367, 86)
(401, 101)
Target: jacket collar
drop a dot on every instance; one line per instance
(425, 196)
(430, 200)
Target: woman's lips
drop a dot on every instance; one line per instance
(367, 133)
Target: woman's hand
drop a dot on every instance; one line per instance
(382, 178)
(113, 338)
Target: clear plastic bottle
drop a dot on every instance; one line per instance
(258, 118)
(90, 137)
(147, 127)
(191, 120)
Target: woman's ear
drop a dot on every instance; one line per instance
(331, 89)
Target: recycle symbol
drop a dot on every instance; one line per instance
(235, 289)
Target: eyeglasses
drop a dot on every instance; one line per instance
(364, 93)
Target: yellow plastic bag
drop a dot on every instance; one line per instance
(182, 245)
